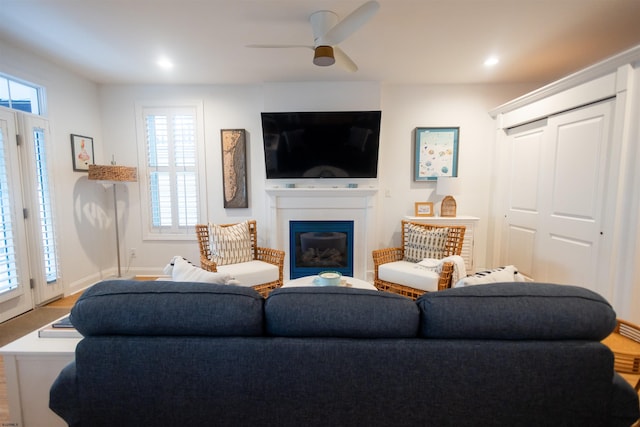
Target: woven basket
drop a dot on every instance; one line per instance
(448, 207)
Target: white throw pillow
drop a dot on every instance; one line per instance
(421, 243)
(231, 244)
(184, 271)
(500, 274)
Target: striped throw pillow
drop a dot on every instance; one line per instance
(231, 244)
(421, 243)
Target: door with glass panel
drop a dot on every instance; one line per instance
(15, 284)
(39, 212)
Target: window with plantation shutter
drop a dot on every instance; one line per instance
(171, 139)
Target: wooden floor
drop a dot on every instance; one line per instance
(63, 303)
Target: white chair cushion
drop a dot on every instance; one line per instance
(251, 273)
(409, 274)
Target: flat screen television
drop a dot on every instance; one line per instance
(324, 144)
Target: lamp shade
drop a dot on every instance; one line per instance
(113, 173)
(448, 185)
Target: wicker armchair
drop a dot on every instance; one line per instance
(453, 246)
(268, 255)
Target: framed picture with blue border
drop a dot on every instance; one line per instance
(436, 152)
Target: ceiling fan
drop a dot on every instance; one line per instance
(329, 31)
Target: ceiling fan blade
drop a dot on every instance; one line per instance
(278, 46)
(343, 60)
(351, 23)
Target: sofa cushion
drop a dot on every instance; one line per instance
(409, 274)
(516, 311)
(334, 311)
(128, 307)
(251, 273)
(230, 244)
(421, 243)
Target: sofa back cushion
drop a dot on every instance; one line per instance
(516, 311)
(128, 307)
(334, 311)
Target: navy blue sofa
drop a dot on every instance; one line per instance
(193, 354)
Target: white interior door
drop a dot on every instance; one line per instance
(557, 172)
(522, 215)
(577, 155)
(15, 290)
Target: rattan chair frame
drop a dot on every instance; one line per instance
(269, 255)
(453, 246)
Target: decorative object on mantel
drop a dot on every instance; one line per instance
(113, 174)
(423, 209)
(234, 168)
(81, 152)
(436, 153)
(448, 186)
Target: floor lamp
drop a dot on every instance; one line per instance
(114, 174)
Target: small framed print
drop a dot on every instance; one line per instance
(81, 152)
(424, 209)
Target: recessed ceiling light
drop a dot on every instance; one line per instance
(164, 63)
(491, 61)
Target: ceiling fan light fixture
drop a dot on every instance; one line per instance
(323, 56)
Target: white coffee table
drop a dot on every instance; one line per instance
(350, 282)
(31, 365)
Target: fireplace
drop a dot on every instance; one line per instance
(320, 245)
(355, 205)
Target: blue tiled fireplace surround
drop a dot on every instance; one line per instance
(317, 246)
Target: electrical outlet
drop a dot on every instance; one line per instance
(132, 252)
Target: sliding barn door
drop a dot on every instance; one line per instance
(557, 171)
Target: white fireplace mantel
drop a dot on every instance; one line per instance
(325, 204)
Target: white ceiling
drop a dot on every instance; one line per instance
(407, 41)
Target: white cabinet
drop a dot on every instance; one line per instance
(31, 365)
(469, 222)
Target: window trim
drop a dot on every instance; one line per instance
(148, 232)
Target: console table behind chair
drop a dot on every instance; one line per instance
(268, 255)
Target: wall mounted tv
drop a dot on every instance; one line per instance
(325, 144)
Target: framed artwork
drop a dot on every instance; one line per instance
(234, 168)
(81, 152)
(424, 209)
(436, 153)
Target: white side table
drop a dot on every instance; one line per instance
(469, 222)
(31, 365)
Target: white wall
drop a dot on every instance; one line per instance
(406, 107)
(107, 113)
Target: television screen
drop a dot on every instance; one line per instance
(327, 144)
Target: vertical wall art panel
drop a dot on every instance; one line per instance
(234, 168)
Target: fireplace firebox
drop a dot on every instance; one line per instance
(320, 245)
